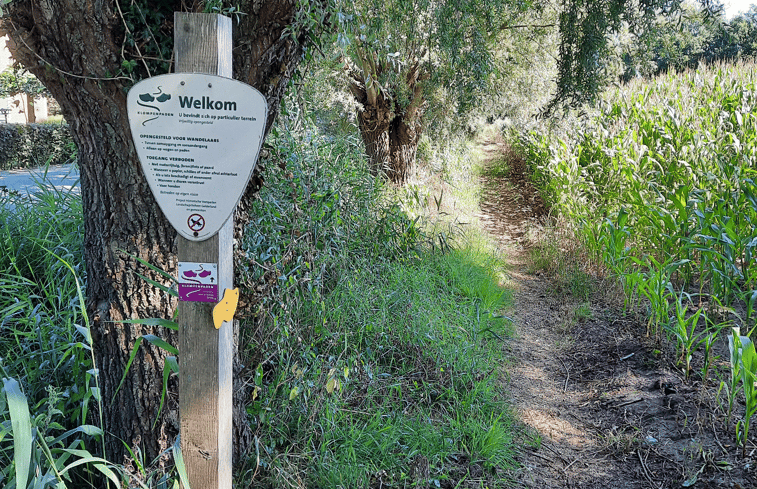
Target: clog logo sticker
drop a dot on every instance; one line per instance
(151, 101)
(198, 282)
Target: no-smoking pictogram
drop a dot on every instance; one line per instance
(196, 222)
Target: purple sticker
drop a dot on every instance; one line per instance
(198, 293)
(198, 282)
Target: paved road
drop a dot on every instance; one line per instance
(61, 177)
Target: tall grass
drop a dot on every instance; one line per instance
(45, 346)
(39, 305)
(375, 359)
(51, 430)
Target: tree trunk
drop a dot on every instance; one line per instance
(31, 116)
(391, 142)
(403, 146)
(390, 134)
(120, 214)
(374, 125)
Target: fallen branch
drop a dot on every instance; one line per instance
(630, 402)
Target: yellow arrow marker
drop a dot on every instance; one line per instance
(224, 310)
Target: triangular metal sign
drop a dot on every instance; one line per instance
(198, 138)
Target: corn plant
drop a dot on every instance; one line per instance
(725, 248)
(744, 370)
(656, 287)
(683, 327)
(709, 339)
(612, 242)
(675, 160)
(750, 298)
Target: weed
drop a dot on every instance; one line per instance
(583, 312)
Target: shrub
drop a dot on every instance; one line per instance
(32, 145)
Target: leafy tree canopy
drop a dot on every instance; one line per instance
(443, 47)
(686, 38)
(586, 47)
(15, 80)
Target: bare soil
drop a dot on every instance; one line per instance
(602, 405)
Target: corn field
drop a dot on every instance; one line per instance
(660, 182)
(672, 167)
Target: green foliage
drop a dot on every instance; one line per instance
(2, 4)
(473, 280)
(674, 161)
(219, 7)
(446, 47)
(40, 458)
(742, 34)
(14, 80)
(148, 29)
(35, 145)
(587, 29)
(46, 346)
(50, 430)
(411, 357)
(148, 37)
(684, 327)
(744, 371)
(374, 357)
(333, 201)
(688, 37)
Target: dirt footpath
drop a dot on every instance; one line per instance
(601, 404)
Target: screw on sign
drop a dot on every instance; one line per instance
(196, 222)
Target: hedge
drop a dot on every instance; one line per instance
(33, 145)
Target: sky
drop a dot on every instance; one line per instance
(734, 7)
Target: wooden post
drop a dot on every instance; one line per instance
(202, 44)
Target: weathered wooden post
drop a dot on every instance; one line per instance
(202, 44)
(198, 134)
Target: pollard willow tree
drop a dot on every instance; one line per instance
(403, 56)
(88, 53)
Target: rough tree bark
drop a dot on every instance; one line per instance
(74, 47)
(390, 131)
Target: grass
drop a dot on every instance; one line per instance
(377, 361)
(39, 305)
(417, 352)
(497, 168)
(373, 341)
(45, 345)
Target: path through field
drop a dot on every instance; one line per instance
(606, 403)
